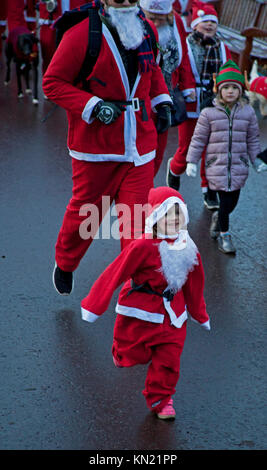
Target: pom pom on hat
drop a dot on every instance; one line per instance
(162, 7)
(230, 72)
(203, 12)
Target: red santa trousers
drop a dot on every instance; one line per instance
(178, 163)
(139, 342)
(123, 183)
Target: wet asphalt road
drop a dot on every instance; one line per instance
(59, 388)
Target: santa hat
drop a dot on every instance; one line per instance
(162, 7)
(160, 200)
(203, 12)
(259, 85)
(230, 72)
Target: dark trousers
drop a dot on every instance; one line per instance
(228, 201)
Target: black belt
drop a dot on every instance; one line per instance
(136, 103)
(168, 294)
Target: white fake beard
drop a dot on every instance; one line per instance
(177, 264)
(128, 25)
(165, 35)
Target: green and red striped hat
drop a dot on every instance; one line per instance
(230, 72)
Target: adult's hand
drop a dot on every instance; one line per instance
(163, 117)
(107, 112)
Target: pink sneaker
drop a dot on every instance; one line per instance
(116, 363)
(167, 412)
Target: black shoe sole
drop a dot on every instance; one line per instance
(61, 293)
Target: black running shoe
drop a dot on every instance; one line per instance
(211, 200)
(173, 181)
(63, 281)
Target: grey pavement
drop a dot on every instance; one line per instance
(59, 387)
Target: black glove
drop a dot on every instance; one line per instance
(107, 112)
(163, 117)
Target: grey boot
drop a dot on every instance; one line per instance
(214, 226)
(225, 243)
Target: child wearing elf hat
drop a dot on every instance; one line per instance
(206, 54)
(163, 281)
(230, 133)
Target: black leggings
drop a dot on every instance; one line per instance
(228, 201)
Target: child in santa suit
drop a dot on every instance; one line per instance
(206, 54)
(163, 281)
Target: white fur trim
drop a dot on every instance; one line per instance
(202, 18)
(205, 325)
(139, 313)
(175, 321)
(88, 316)
(88, 109)
(160, 99)
(161, 210)
(112, 157)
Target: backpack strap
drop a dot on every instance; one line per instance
(94, 44)
(93, 48)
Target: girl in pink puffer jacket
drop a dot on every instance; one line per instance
(231, 133)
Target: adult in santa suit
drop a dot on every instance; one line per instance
(163, 281)
(3, 21)
(15, 14)
(30, 13)
(206, 54)
(49, 11)
(184, 9)
(112, 144)
(173, 56)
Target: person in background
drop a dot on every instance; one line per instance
(30, 13)
(230, 132)
(184, 9)
(49, 12)
(206, 54)
(163, 280)
(173, 57)
(3, 23)
(112, 137)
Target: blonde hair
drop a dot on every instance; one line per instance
(242, 99)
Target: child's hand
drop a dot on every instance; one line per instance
(259, 165)
(191, 169)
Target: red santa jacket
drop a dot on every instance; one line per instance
(15, 14)
(141, 262)
(183, 75)
(129, 138)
